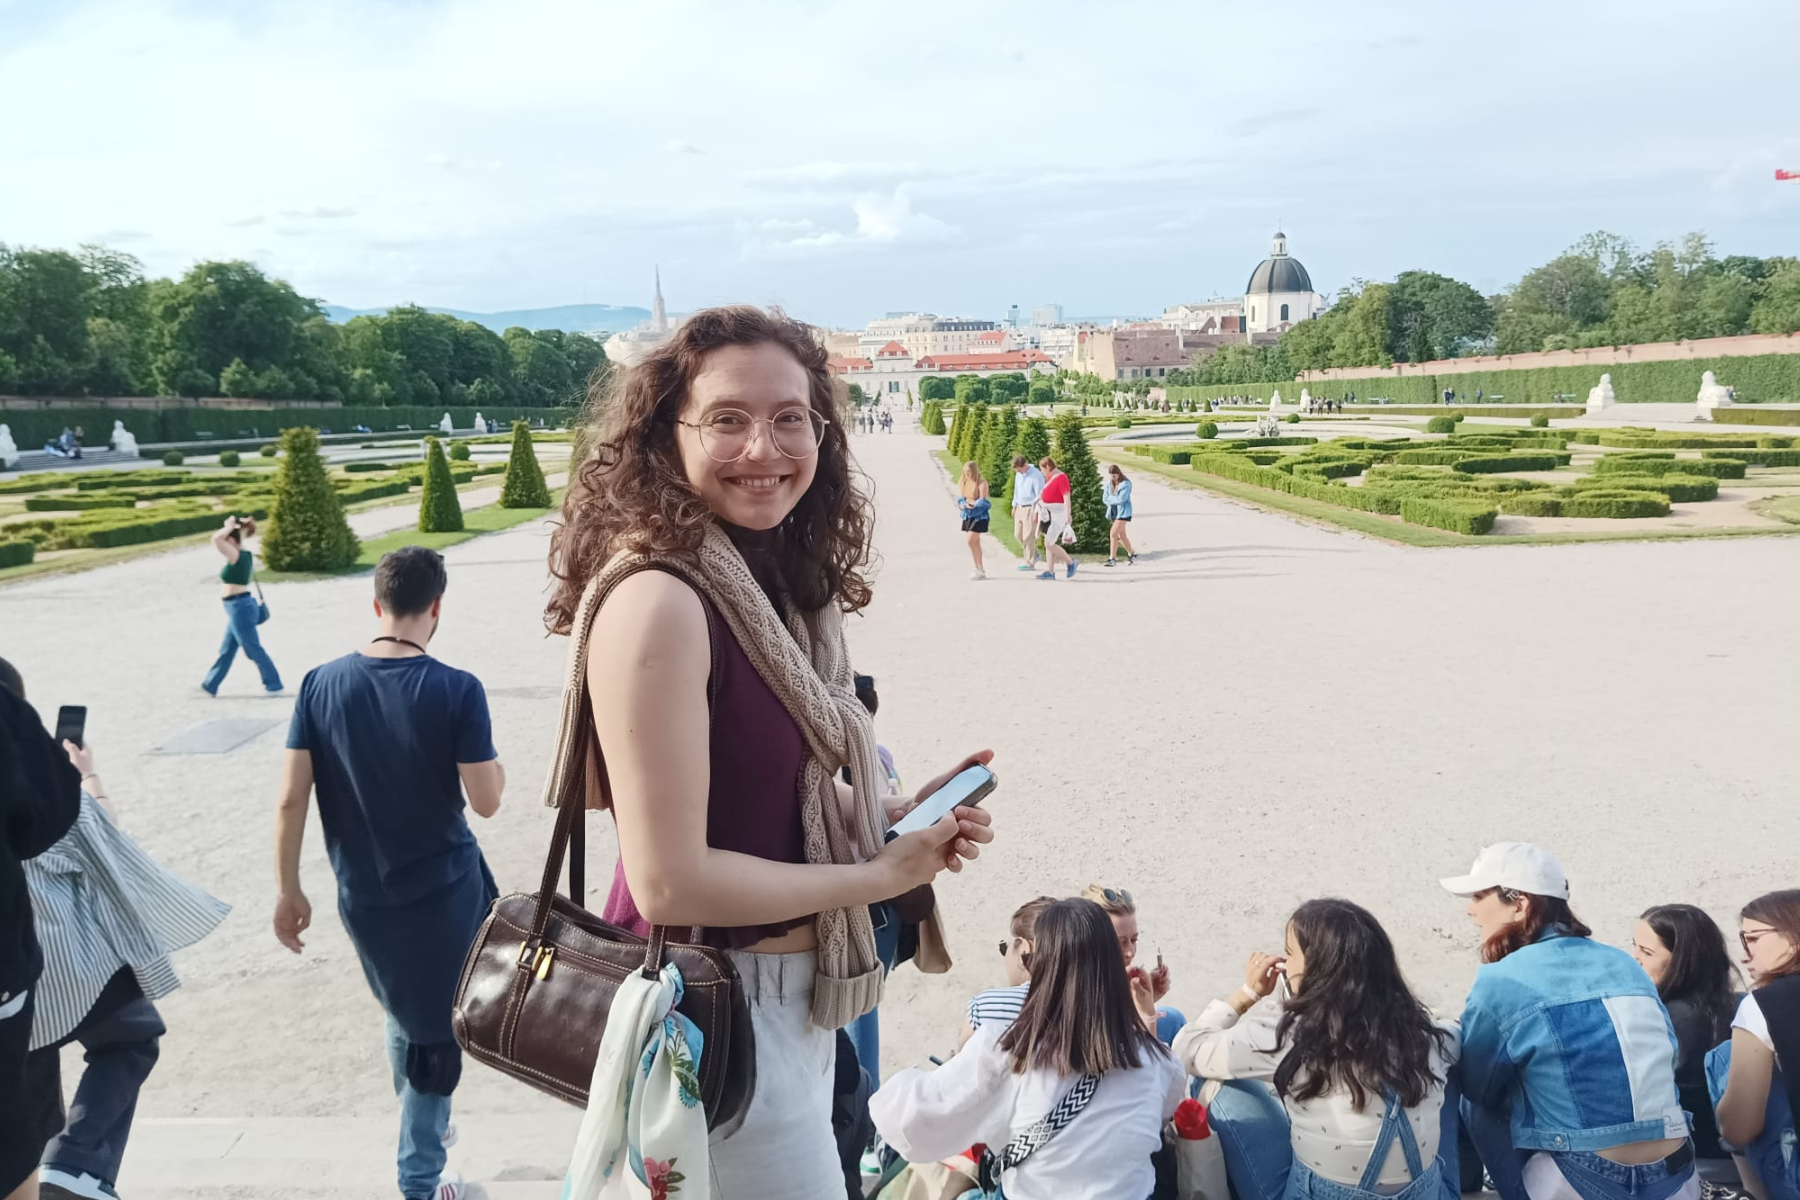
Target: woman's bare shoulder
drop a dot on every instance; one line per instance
(652, 615)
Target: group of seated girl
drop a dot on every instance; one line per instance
(1574, 1073)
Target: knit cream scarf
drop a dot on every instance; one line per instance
(806, 664)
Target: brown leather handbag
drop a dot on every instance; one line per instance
(540, 979)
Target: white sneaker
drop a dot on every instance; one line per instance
(978, 575)
(61, 1184)
(449, 1135)
(450, 1186)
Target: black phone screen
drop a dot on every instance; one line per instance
(71, 723)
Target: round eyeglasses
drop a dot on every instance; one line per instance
(726, 433)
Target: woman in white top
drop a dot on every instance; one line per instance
(1077, 1033)
(1340, 1090)
(1753, 1093)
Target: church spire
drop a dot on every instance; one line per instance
(659, 317)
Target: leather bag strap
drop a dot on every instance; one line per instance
(568, 770)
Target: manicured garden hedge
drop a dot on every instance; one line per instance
(1454, 515)
(17, 554)
(78, 503)
(1532, 504)
(1680, 489)
(1619, 505)
(1431, 458)
(1718, 468)
(1440, 425)
(1207, 430)
(126, 528)
(360, 468)
(1742, 415)
(35, 426)
(1755, 458)
(1511, 462)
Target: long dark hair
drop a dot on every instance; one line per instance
(1543, 913)
(1354, 1024)
(1078, 1018)
(1780, 911)
(1700, 967)
(630, 492)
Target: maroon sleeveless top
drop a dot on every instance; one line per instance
(753, 798)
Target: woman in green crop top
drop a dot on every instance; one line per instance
(241, 608)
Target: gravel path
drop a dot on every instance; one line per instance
(1259, 711)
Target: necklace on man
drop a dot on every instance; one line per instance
(402, 641)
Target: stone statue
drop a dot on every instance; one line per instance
(9, 450)
(1275, 400)
(1601, 397)
(1713, 396)
(445, 425)
(123, 440)
(1305, 400)
(480, 425)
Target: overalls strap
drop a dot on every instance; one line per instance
(1393, 1123)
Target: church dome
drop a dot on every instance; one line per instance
(1279, 273)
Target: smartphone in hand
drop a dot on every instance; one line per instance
(969, 786)
(71, 724)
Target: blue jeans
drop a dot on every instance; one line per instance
(122, 1048)
(1773, 1154)
(423, 1122)
(865, 1031)
(240, 630)
(1594, 1177)
(1257, 1139)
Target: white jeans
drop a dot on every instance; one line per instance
(784, 1150)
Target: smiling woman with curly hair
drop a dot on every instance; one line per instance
(712, 542)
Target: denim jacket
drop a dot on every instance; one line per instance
(1118, 500)
(1571, 1035)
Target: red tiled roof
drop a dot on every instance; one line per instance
(992, 360)
(893, 350)
(840, 365)
(992, 335)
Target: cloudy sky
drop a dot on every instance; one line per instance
(849, 158)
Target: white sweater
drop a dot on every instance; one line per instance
(977, 1098)
(1329, 1136)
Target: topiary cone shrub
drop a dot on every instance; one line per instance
(933, 418)
(307, 529)
(439, 509)
(524, 486)
(1087, 508)
(997, 449)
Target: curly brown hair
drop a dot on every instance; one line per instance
(630, 493)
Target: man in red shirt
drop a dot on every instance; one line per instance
(1055, 503)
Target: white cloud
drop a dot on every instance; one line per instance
(881, 220)
(680, 147)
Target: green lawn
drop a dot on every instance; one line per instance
(491, 519)
(1000, 525)
(1782, 508)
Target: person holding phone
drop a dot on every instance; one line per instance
(1116, 492)
(721, 526)
(40, 798)
(242, 612)
(972, 502)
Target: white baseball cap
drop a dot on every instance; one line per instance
(1516, 866)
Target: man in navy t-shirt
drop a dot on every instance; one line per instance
(391, 739)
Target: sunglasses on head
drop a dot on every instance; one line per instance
(1006, 948)
(1117, 896)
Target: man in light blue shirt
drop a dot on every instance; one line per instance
(1028, 485)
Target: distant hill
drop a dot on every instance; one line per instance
(575, 318)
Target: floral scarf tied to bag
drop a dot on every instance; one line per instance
(644, 1134)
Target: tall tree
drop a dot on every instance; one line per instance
(219, 311)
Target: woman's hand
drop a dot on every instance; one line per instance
(916, 858)
(1260, 972)
(1143, 996)
(80, 757)
(981, 757)
(1159, 982)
